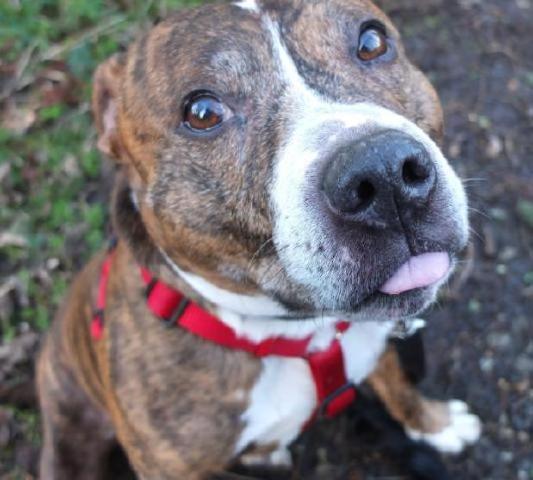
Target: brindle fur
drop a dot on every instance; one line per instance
(171, 400)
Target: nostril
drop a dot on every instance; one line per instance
(354, 197)
(414, 172)
(366, 193)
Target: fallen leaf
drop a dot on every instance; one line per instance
(9, 239)
(18, 119)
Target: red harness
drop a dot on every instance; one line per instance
(334, 392)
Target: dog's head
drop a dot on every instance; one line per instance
(282, 157)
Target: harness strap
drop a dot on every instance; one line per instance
(335, 394)
(333, 390)
(97, 325)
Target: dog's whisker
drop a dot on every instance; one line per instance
(463, 262)
(276, 273)
(473, 180)
(479, 212)
(275, 259)
(256, 254)
(474, 232)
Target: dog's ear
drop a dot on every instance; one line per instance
(107, 84)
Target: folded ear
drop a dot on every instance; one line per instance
(107, 84)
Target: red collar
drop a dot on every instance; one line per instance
(334, 392)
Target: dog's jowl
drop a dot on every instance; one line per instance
(281, 201)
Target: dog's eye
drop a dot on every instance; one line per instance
(203, 111)
(372, 42)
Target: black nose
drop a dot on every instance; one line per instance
(376, 179)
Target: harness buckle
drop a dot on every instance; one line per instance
(343, 397)
(149, 288)
(177, 313)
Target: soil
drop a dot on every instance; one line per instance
(479, 55)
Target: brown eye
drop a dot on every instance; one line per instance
(204, 112)
(372, 43)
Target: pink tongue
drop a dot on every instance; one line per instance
(418, 272)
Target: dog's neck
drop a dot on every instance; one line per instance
(258, 318)
(253, 317)
(128, 225)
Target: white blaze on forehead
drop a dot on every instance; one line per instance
(310, 114)
(286, 64)
(250, 5)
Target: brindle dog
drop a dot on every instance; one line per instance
(278, 165)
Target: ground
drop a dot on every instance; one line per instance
(53, 188)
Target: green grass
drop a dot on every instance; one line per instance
(50, 171)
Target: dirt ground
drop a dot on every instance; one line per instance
(479, 54)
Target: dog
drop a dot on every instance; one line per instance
(280, 180)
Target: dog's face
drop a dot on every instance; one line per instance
(282, 150)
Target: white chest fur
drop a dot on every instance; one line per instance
(284, 397)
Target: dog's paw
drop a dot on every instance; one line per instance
(464, 429)
(281, 457)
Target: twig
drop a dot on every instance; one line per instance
(22, 65)
(21, 81)
(91, 34)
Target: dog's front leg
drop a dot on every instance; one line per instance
(77, 436)
(448, 426)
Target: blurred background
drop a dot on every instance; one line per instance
(54, 188)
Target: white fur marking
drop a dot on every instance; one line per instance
(362, 345)
(408, 327)
(281, 402)
(414, 325)
(323, 337)
(280, 458)
(238, 312)
(464, 430)
(134, 199)
(250, 5)
(261, 329)
(232, 302)
(310, 114)
(284, 397)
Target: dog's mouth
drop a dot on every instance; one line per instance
(408, 290)
(418, 272)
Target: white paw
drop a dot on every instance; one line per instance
(277, 458)
(281, 458)
(464, 429)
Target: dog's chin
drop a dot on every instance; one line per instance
(382, 307)
(398, 293)
(376, 307)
